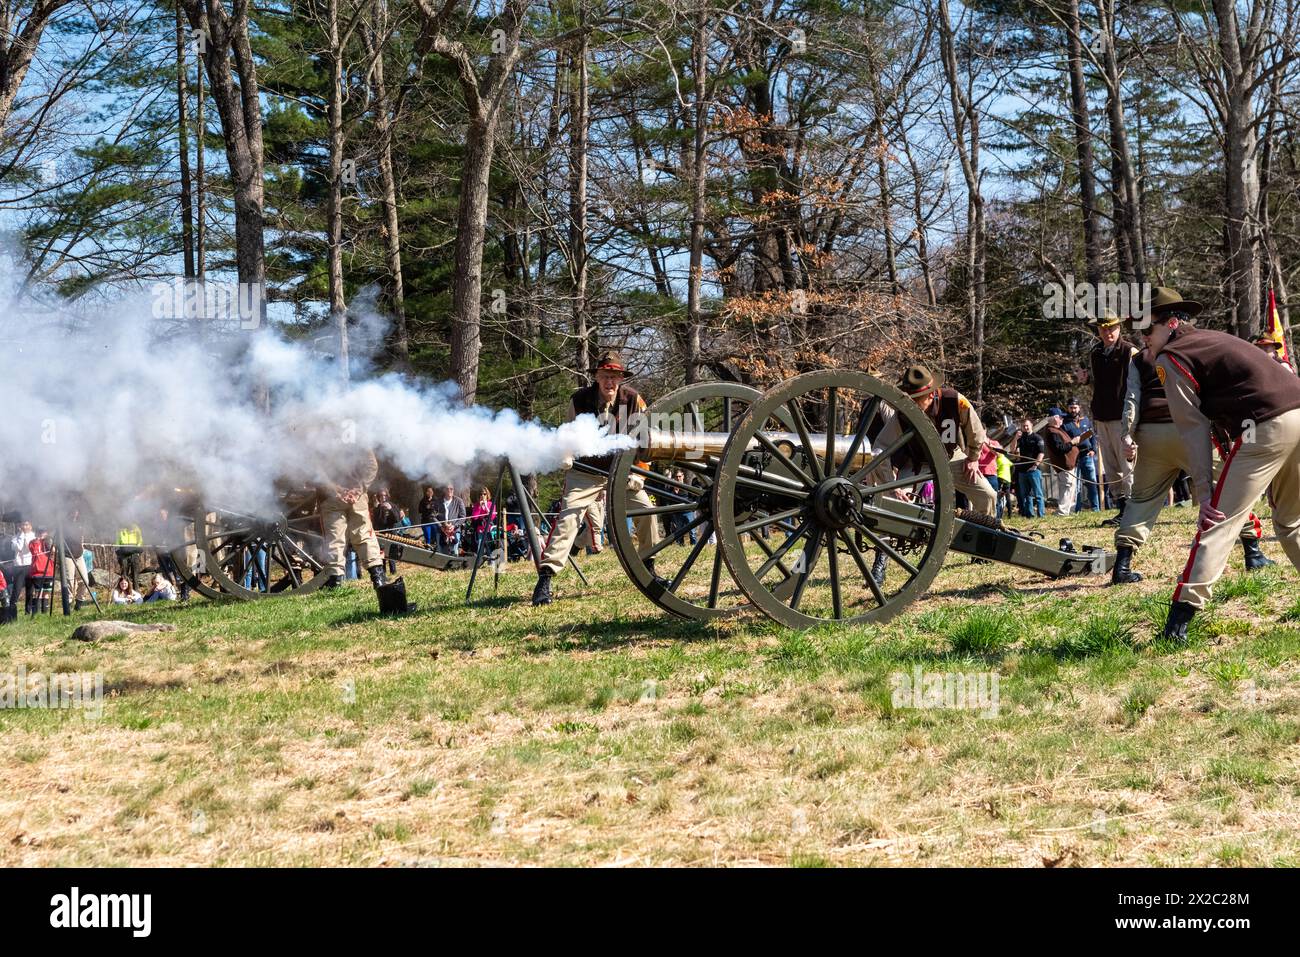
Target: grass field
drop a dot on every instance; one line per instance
(599, 731)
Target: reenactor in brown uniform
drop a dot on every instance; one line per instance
(1266, 344)
(960, 430)
(1108, 372)
(615, 404)
(1149, 426)
(1216, 381)
(347, 519)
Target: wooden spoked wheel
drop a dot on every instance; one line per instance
(834, 482)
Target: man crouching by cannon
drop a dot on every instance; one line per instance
(960, 430)
(615, 405)
(347, 519)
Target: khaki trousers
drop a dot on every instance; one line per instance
(581, 495)
(349, 525)
(74, 573)
(1270, 463)
(980, 494)
(1161, 456)
(1119, 470)
(1067, 489)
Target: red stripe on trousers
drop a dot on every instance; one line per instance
(1214, 503)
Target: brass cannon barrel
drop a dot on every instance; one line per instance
(672, 445)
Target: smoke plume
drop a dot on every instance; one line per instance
(114, 409)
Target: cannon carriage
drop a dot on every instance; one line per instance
(794, 498)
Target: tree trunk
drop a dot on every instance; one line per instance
(471, 228)
(183, 149)
(200, 179)
(1241, 174)
(398, 344)
(484, 98)
(579, 123)
(1092, 251)
(334, 253)
(966, 117)
(17, 49)
(699, 181)
(1124, 177)
(227, 54)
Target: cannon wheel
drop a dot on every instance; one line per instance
(692, 582)
(831, 506)
(293, 543)
(199, 583)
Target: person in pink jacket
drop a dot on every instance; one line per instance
(483, 516)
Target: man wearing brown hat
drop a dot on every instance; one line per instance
(1272, 348)
(617, 406)
(960, 430)
(1148, 425)
(1216, 381)
(1108, 366)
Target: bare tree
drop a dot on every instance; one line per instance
(484, 90)
(21, 27)
(966, 114)
(232, 73)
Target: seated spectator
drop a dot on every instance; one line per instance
(124, 593)
(162, 590)
(450, 513)
(404, 523)
(448, 539)
(384, 514)
(383, 518)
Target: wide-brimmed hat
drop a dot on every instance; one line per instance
(1264, 339)
(1166, 299)
(1106, 320)
(917, 379)
(611, 361)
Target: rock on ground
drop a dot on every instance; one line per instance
(94, 630)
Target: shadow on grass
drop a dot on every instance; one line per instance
(623, 632)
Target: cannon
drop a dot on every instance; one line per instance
(790, 498)
(248, 556)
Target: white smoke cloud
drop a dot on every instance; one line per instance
(116, 408)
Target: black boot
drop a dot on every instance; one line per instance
(542, 590)
(878, 567)
(392, 596)
(1255, 557)
(659, 579)
(1122, 573)
(377, 576)
(1180, 616)
(1119, 516)
(334, 581)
